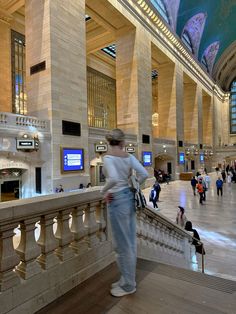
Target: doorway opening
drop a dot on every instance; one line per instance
(10, 190)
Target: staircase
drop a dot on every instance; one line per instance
(161, 289)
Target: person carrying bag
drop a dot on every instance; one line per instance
(118, 169)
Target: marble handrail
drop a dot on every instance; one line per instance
(71, 244)
(159, 238)
(88, 228)
(11, 120)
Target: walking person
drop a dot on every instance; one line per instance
(181, 217)
(157, 188)
(153, 197)
(193, 184)
(207, 181)
(200, 190)
(219, 186)
(118, 166)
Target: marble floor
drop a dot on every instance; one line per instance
(215, 221)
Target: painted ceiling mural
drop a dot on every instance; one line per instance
(209, 23)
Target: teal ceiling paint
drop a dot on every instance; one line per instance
(220, 23)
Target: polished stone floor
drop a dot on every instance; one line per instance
(215, 221)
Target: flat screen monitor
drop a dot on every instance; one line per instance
(181, 158)
(147, 159)
(72, 159)
(201, 158)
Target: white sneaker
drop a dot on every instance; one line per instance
(119, 292)
(115, 284)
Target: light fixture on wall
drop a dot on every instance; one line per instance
(155, 119)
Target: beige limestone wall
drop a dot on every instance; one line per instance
(167, 101)
(5, 67)
(55, 33)
(134, 87)
(207, 118)
(190, 113)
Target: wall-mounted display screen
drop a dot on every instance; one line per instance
(147, 158)
(201, 156)
(72, 159)
(181, 158)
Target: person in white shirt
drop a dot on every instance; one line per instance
(118, 166)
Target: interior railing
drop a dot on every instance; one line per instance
(50, 244)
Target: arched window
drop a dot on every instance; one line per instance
(187, 40)
(204, 62)
(160, 6)
(232, 107)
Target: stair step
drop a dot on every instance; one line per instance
(197, 278)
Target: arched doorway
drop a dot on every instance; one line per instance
(165, 163)
(11, 182)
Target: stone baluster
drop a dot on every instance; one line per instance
(64, 235)
(179, 240)
(8, 258)
(91, 224)
(48, 242)
(79, 244)
(100, 216)
(28, 250)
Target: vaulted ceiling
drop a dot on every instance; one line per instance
(219, 24)
(210, 25)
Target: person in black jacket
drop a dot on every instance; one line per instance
(193, 184)
(198, 246)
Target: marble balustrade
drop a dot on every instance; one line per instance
(159, 239)
(73, 243)
(16, 121)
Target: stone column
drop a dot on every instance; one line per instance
(190, 113)
(167, 101)
(200, 124)
(134, 86)
(179, 113)
(5, 66)
(207, 119)
(55, 33)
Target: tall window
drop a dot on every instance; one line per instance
(160, 6)
(204, 62)
(187, 40)
(18, 73)
(101, 100)
(233, 107)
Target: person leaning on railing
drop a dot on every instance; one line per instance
(118, 166)
(196, 238)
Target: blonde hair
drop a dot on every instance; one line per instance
(115, 136)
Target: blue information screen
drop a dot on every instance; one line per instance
(147, 158)
(72, 159)
(181, 158)
(201, 157)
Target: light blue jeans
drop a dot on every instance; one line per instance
(123, 223)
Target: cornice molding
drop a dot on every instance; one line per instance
(5, 16)
(161, 31)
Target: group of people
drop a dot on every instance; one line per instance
(81, 186)
(201, 184)
(162, 176)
